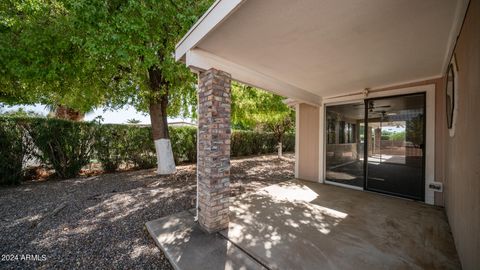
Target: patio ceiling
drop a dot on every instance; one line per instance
(317, 48)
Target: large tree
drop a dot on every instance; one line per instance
(84, 53)
(254, 108)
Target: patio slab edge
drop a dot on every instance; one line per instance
(187, 246)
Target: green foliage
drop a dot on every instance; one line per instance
(139, 147)
(385, 135)
(12, 151)
(415, 130)
(184, 144)
(289, 142)
(84, 53)
(398, 136)
(81, 54)
(20, 112)
(38, 61)
(393, 135)
(111, 146)
(119, 144)
(254, 108)
(66, 146)
(124, 144)
(246, 143)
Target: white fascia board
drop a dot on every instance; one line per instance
(460, 13)
(219, 11)
(199, 60)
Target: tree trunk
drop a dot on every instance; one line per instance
(66, 113)
(280, 145)
(280, 150)
(158, 118)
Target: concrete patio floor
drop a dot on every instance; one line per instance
(302, 225)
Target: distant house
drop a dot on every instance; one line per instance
(181, 124)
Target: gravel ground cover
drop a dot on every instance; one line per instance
(99, 222)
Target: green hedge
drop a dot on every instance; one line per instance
(12, 151)
(68, 146)
(184, 143)
(124, 144)
(246, 143)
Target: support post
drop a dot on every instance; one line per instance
(213, 164)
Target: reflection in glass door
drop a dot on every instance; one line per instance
(385, 153)
(396, 139)
(344, 144)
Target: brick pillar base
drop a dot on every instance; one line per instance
(213, 162)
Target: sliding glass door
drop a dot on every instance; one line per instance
(344, 144)
(396, 142)
(378, 145)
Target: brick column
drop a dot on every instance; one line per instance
(213, 162)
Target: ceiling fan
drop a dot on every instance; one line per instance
(372, 107)
(384, 113)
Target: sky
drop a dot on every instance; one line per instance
(110, 117)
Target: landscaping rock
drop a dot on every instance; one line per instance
(99, 222)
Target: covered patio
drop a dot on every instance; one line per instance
(320, 54)
(303, 225)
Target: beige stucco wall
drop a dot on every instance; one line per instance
(307, 150)
(462, 162)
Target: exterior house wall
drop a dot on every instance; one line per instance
(307, 148)
(462, 161)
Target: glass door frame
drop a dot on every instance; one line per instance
(367, 142)
(324, 154)
(430, 88)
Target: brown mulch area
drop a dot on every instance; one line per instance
(99, 221)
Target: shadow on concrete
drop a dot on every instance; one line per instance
(303, 225)
(187, 246)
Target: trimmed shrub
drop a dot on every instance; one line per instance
(184, 144)
(12, 151)
(66, 146)
(247, 143)
(289, 142)
(111, 146)
(124, 144)
(129, 144)
(140, 149)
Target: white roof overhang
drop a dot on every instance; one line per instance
(311, 49)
